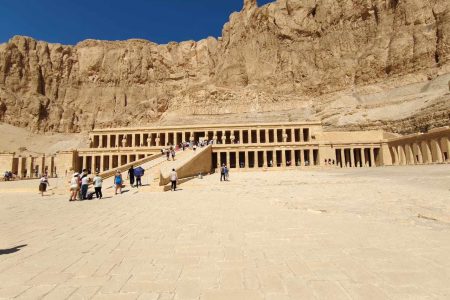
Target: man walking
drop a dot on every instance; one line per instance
(98, 186)
(131, 175)
(84, 184)
(138, 173)
(222, 173)
(173, 180)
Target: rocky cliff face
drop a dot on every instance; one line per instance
(288, 60)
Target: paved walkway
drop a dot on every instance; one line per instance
(332, 234)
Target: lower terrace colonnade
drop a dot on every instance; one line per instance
(358, 157)
(258, 158)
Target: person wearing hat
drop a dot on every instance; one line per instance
(98, 185)
(74, 187)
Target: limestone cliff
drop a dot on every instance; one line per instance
(341, 61)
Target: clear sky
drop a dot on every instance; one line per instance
(71, 21)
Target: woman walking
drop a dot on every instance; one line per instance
(43, 184)
(118, 182)
(74, 187)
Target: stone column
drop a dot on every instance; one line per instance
(410, 155)
(447, 142)
(256, 159)
(166, 134)
(265, 159)
(302, 157)
(275, 161)
(224, 138)
(372, 157)
(352, 157)
(437, 150)
(301, 135)
(283, 157)
(101, 167)
(117, 141)
(133, 139)
(284, 135)
(175, 138)
(247, 165)
(157, 140)
(30, 165)
(183, 136)
(84, 162)
(258, 137)
(228, 159)
(108, 141)
(400, 155)
(215, 138)
(266, 132)
(275, 135)
(20, 167)
(343, 164)
(293, 158)
(292, 135)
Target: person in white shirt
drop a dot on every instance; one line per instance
(43, 184)
(98, 186)
(173, 179)
(74, 187)
(84, 185)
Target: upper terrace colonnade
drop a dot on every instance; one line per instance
(220, 134)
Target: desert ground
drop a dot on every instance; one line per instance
(379, 233)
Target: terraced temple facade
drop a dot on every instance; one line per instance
(253, 146)
(244, 147)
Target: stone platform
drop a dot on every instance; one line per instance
(374, 233)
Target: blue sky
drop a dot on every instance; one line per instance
(71, 21)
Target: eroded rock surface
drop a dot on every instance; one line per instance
(288, 60)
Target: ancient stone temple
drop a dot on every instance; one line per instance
(267, 146)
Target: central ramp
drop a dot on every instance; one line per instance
(195, 163)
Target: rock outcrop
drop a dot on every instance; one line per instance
(291, 59)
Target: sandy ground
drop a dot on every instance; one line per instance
(22, 141)
(316, 234)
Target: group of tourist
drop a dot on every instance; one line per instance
(224, 173)
(8, 176)
(79, 186)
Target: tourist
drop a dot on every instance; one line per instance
(222, 173)
(118, 182)
(98, 185)
(131, 176)
(173, 180)
(194, 147)
(173, 154)
(43, 183)
(227, 173)
(84, 184)
(138, 173)
(74, 187)
(167, 154)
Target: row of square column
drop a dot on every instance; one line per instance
(266, 158)
(106, 162)
(230, 136)
(357, 157)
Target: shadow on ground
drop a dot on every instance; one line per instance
(11, 250)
